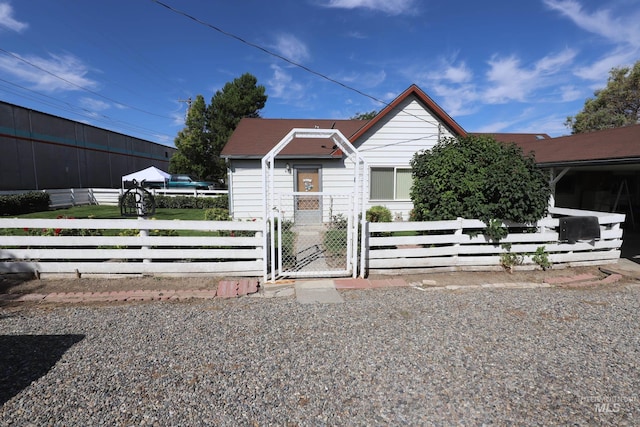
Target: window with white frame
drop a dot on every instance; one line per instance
(390, 183)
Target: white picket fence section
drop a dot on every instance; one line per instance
(235, 248)
(146, 252)
(456, 245)
(66, 197)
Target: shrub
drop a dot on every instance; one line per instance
(378, 214)
(192, 202)
(338, 222)
(541, 257)
(217, 214)
(478, 177)
(221, 201)
(33, 201)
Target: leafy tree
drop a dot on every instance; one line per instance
(194, 155)
(478, 177)
(209, 127)
(365, 116)
(616, 105)
(242, 97)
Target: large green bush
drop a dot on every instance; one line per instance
(478, 177)
(33, 201)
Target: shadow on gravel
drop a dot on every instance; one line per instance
(10, 280)
(25, 358)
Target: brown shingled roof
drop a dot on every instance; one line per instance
(254, 137)
(518, 138)
(608, 146)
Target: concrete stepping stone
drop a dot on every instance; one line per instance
(317, 292)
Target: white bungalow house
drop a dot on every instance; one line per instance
(385, 145)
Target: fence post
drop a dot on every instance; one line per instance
(364, 236)
(144, 233)
(72, 195)
(258, 237)
(456, 245)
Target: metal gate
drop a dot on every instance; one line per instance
(323, 248)
(313, 233)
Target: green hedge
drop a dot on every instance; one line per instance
(191, 202)
(16, 204)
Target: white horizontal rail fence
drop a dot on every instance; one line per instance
(186, 192)
(66, 197)
(141, 247)
(62, 198)
(105, 196)
(460, 245)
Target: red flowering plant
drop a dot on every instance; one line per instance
(62, 231)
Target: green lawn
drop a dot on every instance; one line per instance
(113, 212)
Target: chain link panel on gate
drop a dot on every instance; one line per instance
(307, 233)
(315, 234)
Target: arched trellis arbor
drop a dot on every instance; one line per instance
(329, 245)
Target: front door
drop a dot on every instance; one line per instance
(308, 209)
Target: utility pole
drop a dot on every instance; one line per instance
(188, 101)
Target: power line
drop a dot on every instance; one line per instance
(267, 51)
(82, 87)
(98, 117)
(281, 57)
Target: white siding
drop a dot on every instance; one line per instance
(409, 128)
(246, 192)
(245, 189)
(406, 130)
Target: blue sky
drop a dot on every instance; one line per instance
(494, 66)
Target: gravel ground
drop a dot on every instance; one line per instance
(384, 357)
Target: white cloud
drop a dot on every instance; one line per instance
(509, 81)
(553, 125)
(494, 127)
(570, 93)
(622, 29)
(51, 74)
(281, 85)
(599, 70)
(364, 79)
(458, 100)
(451, 82)
(8, 21)
(291, 47)
(460, 74)
(357, 35)
(178, 118)
(618, 28)
(392, 7)
(93, 105)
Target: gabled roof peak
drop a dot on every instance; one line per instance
(414, 90)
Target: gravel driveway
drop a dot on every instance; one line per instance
(384, 357)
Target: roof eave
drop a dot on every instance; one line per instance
(283, 156)
(593, 162)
